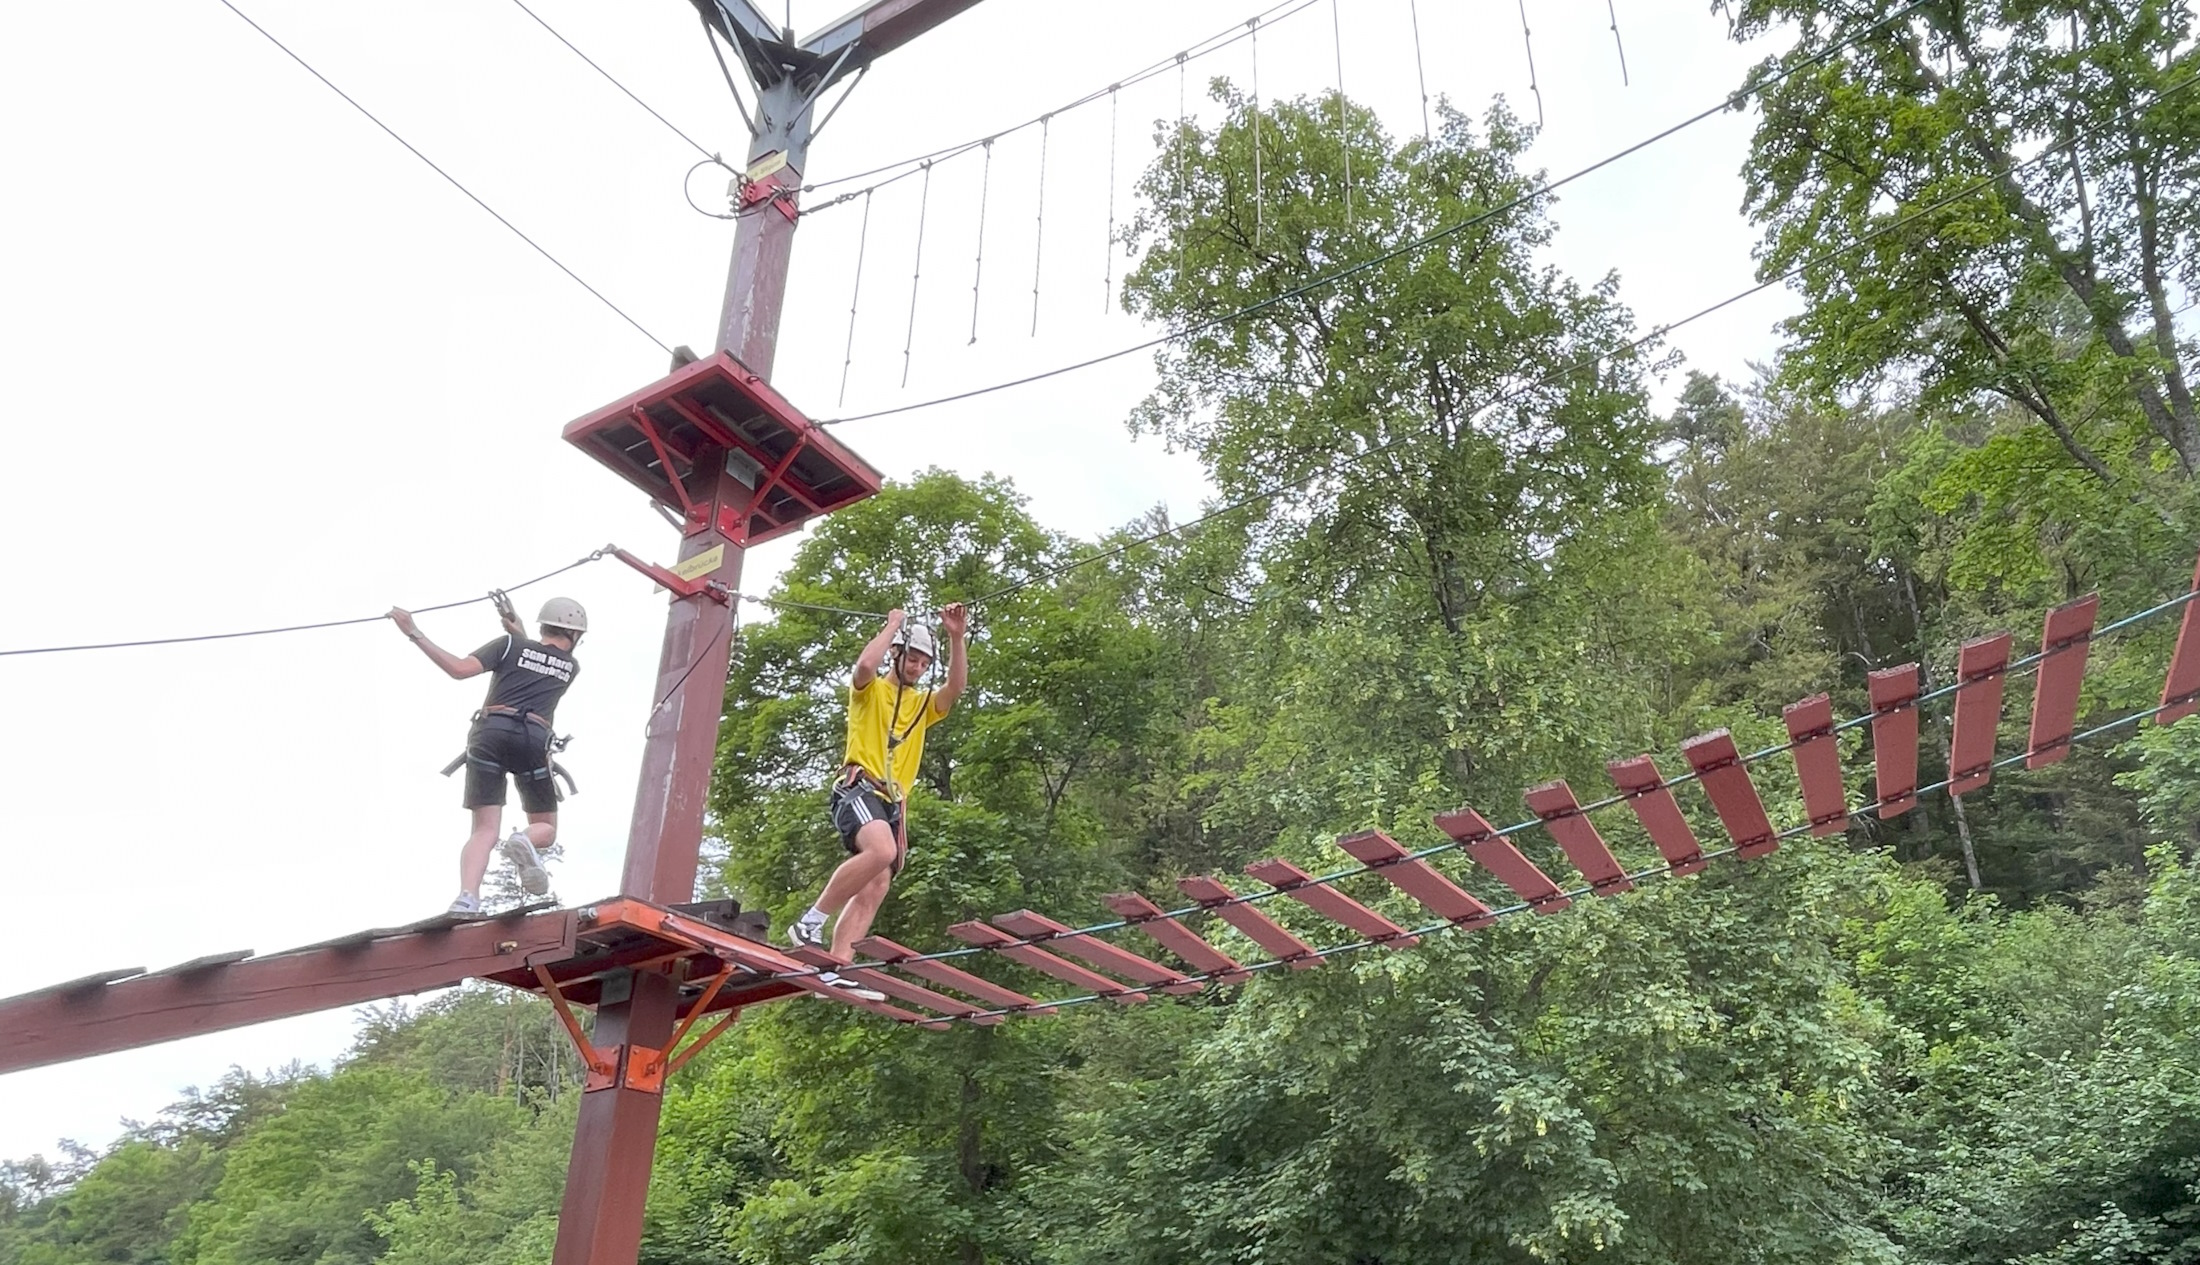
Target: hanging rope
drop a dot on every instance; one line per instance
(1039, 233)
(1413, 11)
(1260, 192)
(1183, 220)
(977, 273)
(1614, 15)
(848, 353)
(924, 200)
(1527, 41)
(1336, 31)
(1107, 281)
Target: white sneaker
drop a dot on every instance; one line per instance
(466, 903)
(832, 979)
(805, 934)
(520, 851)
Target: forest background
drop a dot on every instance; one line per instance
(1455, 552)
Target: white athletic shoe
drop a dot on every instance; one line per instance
(805, 934)
(832, 979)
(520, 851)
(466, 903)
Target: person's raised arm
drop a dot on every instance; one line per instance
(457, 667)
(867, 666)
(956, 621)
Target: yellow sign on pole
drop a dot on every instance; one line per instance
(701, 564)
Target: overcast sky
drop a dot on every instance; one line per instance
(264, 367)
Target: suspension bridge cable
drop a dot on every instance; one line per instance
(1634, 344)
(614, 82)
(904, 167)
(454, 182)
(1662, 870)
(291, 628)
(1426, 240)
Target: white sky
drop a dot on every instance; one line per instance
(264, 367)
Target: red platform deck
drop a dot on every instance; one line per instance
(667, 438)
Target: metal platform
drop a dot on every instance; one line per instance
(671, 438)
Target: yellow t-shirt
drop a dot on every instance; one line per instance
(871, 710)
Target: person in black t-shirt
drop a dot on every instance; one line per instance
(511, 736)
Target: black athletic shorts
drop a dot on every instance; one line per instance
(498, 745)
(857, 805)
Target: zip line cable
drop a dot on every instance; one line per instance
(454, 182)
(1434, 236)
(614, 82)
(291, 628)
(1588, 362)
(1664, 870)
(1608, 802)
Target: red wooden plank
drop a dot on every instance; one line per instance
(1980, 669)
(1417, 878)
(2181, 688)
(892, 986)
(1554, 802)
(1176, 937)
(1733, 796)
(1038, 959)
(2064, 642)
(1098, 952)
(1257, 926)
(1660, 816)
(961, 981)
(1894, 738)
(1331, 903)
(1818, 763)
(1500, 857)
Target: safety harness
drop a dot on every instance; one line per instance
(553, 743)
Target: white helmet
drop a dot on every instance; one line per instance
(917, 637)
(563, 612)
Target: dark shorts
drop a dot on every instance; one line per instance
(498, 745)
(854, 807)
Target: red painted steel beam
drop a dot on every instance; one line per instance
(55, 1025)
(1496, 854)
(2063, 643)
(1177, 938)
(2181, 688)
(883, 26)
(962, 981)
(1733, 796)
(1894, 738)
(1577, 836)
(1257, 926)
(1330, 903)
(1417, 878)
(1818, 763)
(1980, 671)
(1100, 953)
(1652, 800)
(1038, 959)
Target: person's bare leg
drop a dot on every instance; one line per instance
(542, 829)
(855, 919)
(473, 859)
(874, 857)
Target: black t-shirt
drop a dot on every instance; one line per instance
(530, 676)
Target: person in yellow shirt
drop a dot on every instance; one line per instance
(889, 713)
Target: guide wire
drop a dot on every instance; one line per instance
(1039, 231)
(614, 82)
(1107, 282)
(1413, 11)
(1613, 12)
(1260, 190)
(1344, 123)
(1527, 41)
(291, 628)
(855, 292)
(977, 271)
(475, 198)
